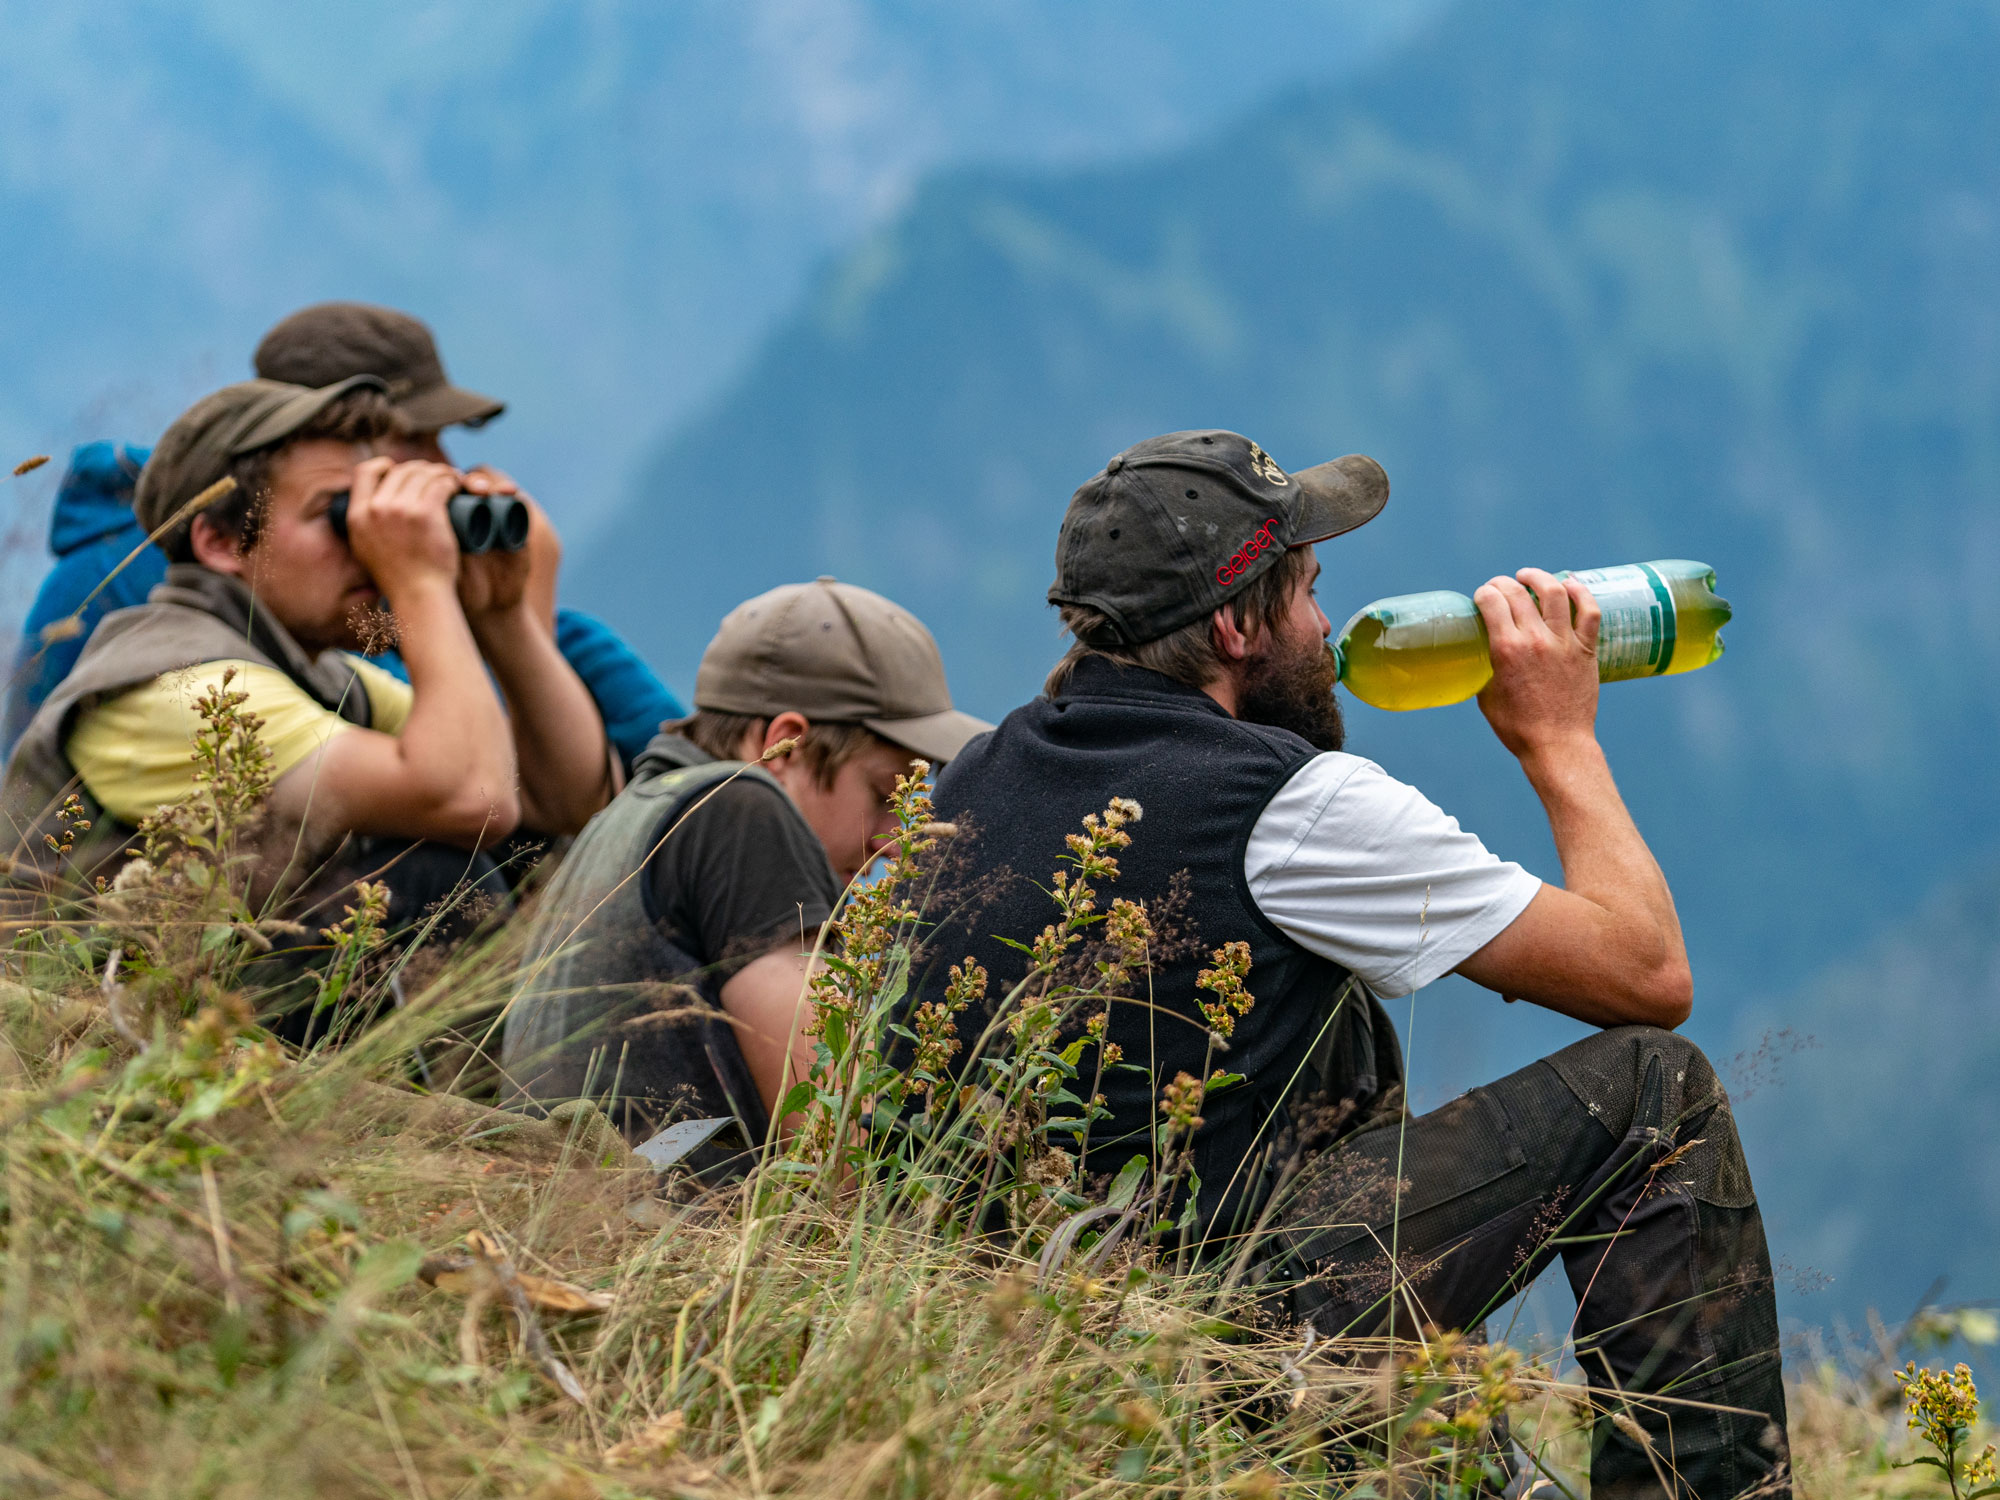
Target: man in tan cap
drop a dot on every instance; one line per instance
(331, 341)
(679, 992)
(261, 582)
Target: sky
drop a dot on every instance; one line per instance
(599, 207)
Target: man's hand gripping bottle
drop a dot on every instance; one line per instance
(1427, 650)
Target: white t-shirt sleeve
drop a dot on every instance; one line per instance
(1360, 868)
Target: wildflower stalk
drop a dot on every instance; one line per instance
(353, 937)
(1942, 1408)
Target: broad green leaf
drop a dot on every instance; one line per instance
(767, 1419)
(384, 1267)
(1191, 1215)
(229, 1342)
(209, 1101)
(1125, 1186)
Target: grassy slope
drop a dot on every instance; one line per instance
(233, 1271)
(233, 1307)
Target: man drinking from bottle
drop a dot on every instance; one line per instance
(328, 342)
(370, 774)
(1200, 684)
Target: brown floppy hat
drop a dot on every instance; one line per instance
(840, 654)
(330, 341)
(196, 450)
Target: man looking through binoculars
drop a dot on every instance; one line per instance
(326, 343)
(367, 770)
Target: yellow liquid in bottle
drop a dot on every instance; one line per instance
(1416, 651)
(1428, 650)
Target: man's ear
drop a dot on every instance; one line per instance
(786, 726)
(214, 548)
(1231, 643)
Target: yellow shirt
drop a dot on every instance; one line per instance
(134, 752)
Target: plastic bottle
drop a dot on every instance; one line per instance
(1427, 650)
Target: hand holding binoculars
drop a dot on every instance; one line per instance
(482, 523)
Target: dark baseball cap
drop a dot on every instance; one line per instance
(1172, 528)
(330, 341)
(195, 451)
(837, 654)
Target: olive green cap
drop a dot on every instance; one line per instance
(196, 450)
(837, 654)
(332, 340)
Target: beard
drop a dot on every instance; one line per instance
(369, 629)
(1291, 687)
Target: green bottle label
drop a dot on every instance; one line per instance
(1637, 637)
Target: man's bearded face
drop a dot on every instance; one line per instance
(1289, 685)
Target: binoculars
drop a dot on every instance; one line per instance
(482, 523)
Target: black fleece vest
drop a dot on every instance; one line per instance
(1202, 779)
(605, 1004)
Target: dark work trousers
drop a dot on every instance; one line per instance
(1620, 1155)
(437, 895)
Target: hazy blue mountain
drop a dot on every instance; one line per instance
(1868, 1100)
(1674, 278)
(601, 208)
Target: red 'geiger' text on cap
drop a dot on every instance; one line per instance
(1260, 542)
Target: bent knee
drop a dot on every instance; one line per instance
(1639, 1075)
(1679, 1054)
(1690, 1076)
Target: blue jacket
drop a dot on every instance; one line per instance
(632, 700)
(90, 533)
(93, 530)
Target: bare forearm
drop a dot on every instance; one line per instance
(456, 735)
(448, 774)
(1606, 946)
(774, 1020)
(1603, 855)
(1605, 860)
(558, 734)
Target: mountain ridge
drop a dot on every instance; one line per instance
(1595, 286)
(599, 210)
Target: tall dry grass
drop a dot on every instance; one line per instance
(235, 1269)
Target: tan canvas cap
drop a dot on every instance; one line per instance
(837, 654)
(330, 341)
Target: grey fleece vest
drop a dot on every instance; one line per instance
(195, 616)
(606, 1006)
